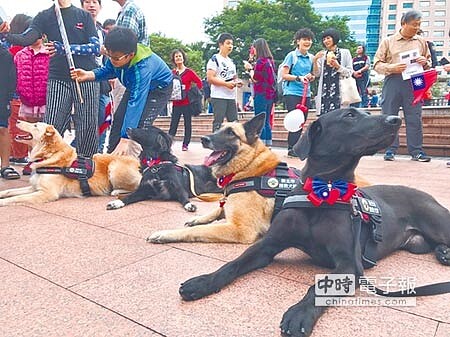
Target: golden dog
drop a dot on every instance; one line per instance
(238, 153)
(112, 173)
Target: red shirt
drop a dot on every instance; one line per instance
(188, 76)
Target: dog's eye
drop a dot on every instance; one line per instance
(230, 132)
(350, 114)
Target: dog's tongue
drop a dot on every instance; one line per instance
(212, 158)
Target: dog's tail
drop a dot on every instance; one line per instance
(210, 196)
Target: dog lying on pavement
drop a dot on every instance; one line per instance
(321, 217)
(162, 178)
(52, 154)
(238, 157)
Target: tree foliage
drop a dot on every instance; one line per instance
(275, 21)
(163, 46)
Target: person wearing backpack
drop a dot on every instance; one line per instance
(183, 106)
(264, 82)
(295, 72)
(221, 74)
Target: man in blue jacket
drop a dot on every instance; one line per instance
(146, 77)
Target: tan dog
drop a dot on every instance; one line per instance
(237, 150)
(112, 173)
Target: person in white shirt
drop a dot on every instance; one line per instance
(222, 76)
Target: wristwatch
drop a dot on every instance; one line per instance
(298, 79)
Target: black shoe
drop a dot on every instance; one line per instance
(292, 154)
(422, 157)
(389, 156)
(18, 161)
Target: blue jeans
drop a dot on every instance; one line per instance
(262, 104)
(104, 100)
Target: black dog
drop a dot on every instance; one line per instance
(162, 179)
(412, 220)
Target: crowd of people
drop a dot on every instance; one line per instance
(115, 73)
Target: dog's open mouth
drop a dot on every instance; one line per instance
(25, 136)
(217, 157)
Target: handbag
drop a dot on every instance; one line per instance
(349, 91)
(195, 97)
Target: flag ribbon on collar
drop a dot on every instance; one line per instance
(225, 180)
(328, 191)
(149, 162)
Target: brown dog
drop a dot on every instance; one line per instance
(238, 153)
(112, 173)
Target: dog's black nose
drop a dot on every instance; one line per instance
(205, 140)
(393, 120)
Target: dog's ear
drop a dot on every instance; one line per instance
(49, 133)
(303, 146)
(164, 141)
(253, 127)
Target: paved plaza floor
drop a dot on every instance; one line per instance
(72, 268)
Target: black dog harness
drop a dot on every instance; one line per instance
(275, 184)
(340, 195)
(82, 169)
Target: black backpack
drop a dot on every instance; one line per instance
(195, 97)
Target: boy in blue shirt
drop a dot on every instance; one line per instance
(146, 77)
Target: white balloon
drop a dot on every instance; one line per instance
(294, 120)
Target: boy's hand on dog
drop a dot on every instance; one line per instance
(122, 148)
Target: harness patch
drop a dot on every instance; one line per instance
(81, 169)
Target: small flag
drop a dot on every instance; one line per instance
(421, 83)
(107, 120)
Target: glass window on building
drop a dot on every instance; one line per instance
(438, 33)
(391, 27)
(392, 7)
(391, 17)
(408, 5)
(425, 14)
(439, 23)
(425, 24)
(440, 2)
(439, 13)
(439, 53)
(438, 43)
(424, 3)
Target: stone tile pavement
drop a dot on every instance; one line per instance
(71, 268)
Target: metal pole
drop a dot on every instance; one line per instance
(66, 44)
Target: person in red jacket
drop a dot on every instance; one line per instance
(19, 151)
(182, 107)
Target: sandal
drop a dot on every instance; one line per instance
(9, 173)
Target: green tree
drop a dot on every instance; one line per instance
(163, 46)
(277, 22)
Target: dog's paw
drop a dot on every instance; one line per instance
(190, 207)
(298, 321)
(443, 254)
(193, 222)
(198, 287)
(115, 204)
(116, 193)
(160, 237)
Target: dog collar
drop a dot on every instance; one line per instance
(328, 191)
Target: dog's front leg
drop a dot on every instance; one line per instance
(16, 191)
(39, 196)
(256, 256)
(136, 196)
(300, 319)
(216, 214)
